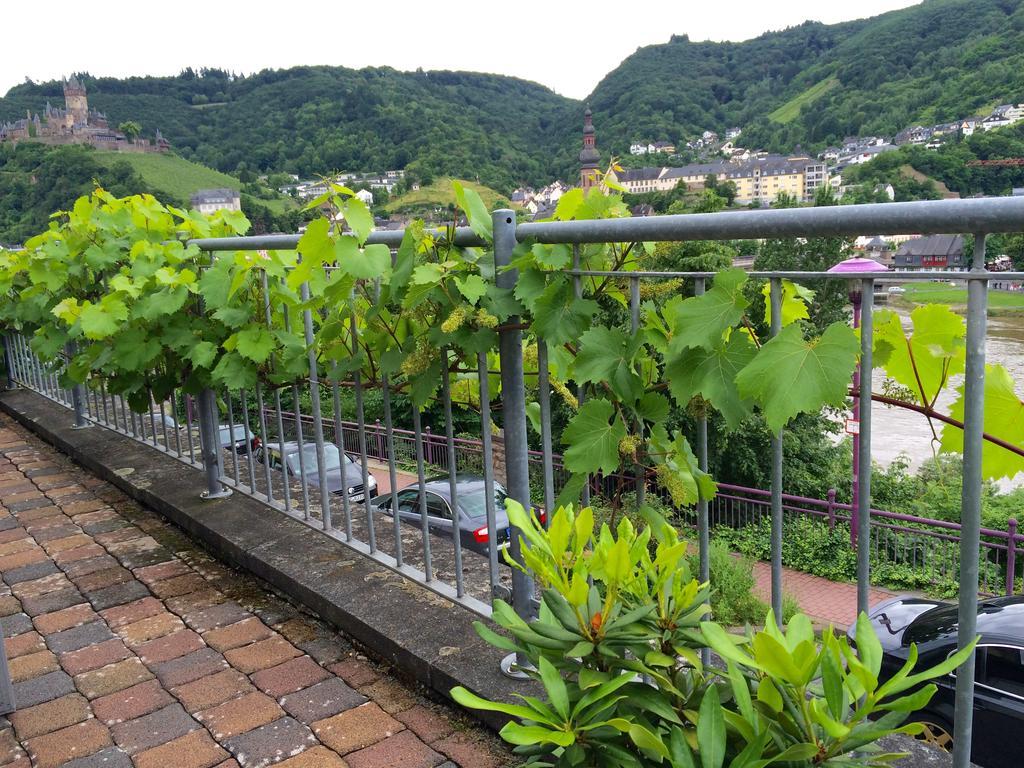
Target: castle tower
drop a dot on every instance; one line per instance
(590, 172)
(77, 104)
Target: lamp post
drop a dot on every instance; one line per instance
(856, 265)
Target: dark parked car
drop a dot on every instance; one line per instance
(341, 470)
(234, 438)
(472, 513)
(999, 669)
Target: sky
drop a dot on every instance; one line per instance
(567, 46)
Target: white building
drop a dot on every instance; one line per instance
(365, 195)
(206, 201)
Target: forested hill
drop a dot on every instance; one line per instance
(314, 120)
(814, 84)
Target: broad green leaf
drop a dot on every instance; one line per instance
(99, 321)
(607, 355)
(476, 212)
(255, 343)
(712, 375)
(427, 274)
(592, 436)
(514, 733)
(472, 701)
(554, 686)
(234, 372)
(202, 354)
(558, 317)
(869, 649)
(925, 360)
(371, 262)
(700, 321)
(557, 256)
(790, 376)
(358, 218)
(711, 730)
(795, 299)
(1004, 419)
(135, 349)
(569, 205)
(472, 287)
(215, 281)
(648, 741)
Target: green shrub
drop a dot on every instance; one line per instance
(733, 601)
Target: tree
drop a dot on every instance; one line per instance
(130, 129)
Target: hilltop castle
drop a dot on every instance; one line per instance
(76, 124)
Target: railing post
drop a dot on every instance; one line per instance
(776, 535)
(513, 393)
(209, 445)
(77, 393)
(8, 365)
(1011, 554)
(380, 439)
(428, 445)
(862, 509)
(830, 509)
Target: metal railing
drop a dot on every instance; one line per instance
(416, 546)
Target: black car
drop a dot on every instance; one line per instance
(472, 503)
(999, 669)
(342, 471)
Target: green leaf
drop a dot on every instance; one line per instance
(557, 256)
(869, 649)
(100, 321)
(607, 356)
(472, 701)
(135, 349)
(711, 730)
(255, 343)
(712, 375)
(925, 360)
(554, 686)
(1003, 418)
(790, 376)
(646, 740)
(358, 218)
(560, 318)
(234, 372)
(592, 436)
(514, 733)
(157, 304)
(795, 299)
(700, 321)
(202, 354)
(215, 282)
(472, 287)
(476, 212)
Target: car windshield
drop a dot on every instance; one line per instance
(225, 434)
(474, 503)
(332, 458)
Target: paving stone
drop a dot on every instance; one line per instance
(151, 574)
(11, 533)
(44, 586)
(240, 715)
(215, 616)
(355, 672)
(78, 507)
(75, 616)
(270, 743)
(315, 757)
(56, 532)
(59, 747)
(9, 605)
(132, 702)
(169, 646)
(195, 750)
(111, 678)
(289, 677)
(16, 624)
(28, 504)
(94, 656)
(185, 669)
(391, 695)
(426, 723)
(78, 553)
(77, 539)
(20, 559)
(236, 635)
(150, 628)
(356, 728)
(107, 577)
(212, 690)
(261, 654)
(403, 750)
(41, 719)
(30, 572)
(186, 605)
(54, 601)
(118, 594)
(132, 612)
(100, 526)
(88, 565)
(179, 585)
(322, 700)
(93, 633)
(45, 688)
(32, 665)
(468, 749)
(24, 544)
(134, 560)
(26, 642)
(153, 729)
(111, 757)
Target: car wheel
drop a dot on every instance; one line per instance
(938, 732)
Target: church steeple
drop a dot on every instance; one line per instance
(590, 174)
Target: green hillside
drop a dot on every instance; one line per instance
(441, 194)
(170, 173)
(790, 111)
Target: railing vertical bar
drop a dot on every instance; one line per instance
(703, 524)
(639, 471)
(863, 479)
(318, 421)
(776, 542)
(339, 442)
(970, 519)
(187, 403)
(163, 422)
(285, 483)
(389, 435)
(263, 444)
(446, 396)
(232, 444)
(488, 462)
(103, 396)
(301, 441)
(152, 417)
(581, 389)
(428, 567)
(361, 427)
(544, 396)
(244, 397)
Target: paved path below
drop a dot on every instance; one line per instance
(129, 646)
(824, 601)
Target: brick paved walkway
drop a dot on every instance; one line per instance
(129, 646)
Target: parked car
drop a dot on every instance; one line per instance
(999, 669)
(472, 510)
(235, 438)
(344, 474)
(897, 289)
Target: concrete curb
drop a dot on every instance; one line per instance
(425, 637)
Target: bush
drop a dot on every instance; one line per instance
(616, 650)
(733, 601)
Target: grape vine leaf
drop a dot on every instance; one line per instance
(795, 299)
(700, 321)
(679, 471)
(606, 355)
(201, 354)
(135, 349)
(790, 375)
(1004, 418)
(476, 212)
(557, 256)
(593, 435)
(558, 317)
(358, 218)
(472, 287)
(926, 359)
(235, 372)
(255, 343)
(100, 321)
(712, 375)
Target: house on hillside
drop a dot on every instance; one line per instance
(931, 252)
(732, 133)
(207, 201)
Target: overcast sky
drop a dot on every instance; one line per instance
(568, 46)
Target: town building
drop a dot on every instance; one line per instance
(207, 201)
(590, 171)
(76, 124)
(932, 252)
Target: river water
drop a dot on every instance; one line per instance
(896, 430)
